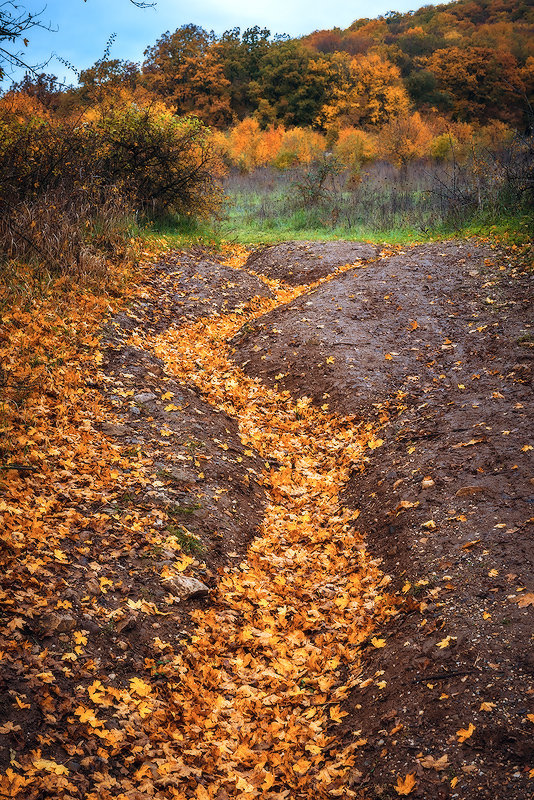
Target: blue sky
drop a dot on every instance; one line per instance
(84, 27)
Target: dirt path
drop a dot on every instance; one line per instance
(335, 443)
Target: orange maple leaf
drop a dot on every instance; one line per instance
(405, 785)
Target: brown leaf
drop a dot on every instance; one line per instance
(525, 600)
(429, 762)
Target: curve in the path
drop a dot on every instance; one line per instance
(260, 688)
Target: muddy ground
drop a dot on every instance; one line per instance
(434, 345)
(439, 336)
(438, 339)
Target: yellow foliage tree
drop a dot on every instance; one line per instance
(353, 148)
(367, 91)
(299, 146)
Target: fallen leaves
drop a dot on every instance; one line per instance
(525, 600)
(465, 733)
(406, 785)
(378, 643)
(50, 766)
(438, 764)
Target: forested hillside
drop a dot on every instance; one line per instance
(471, 60)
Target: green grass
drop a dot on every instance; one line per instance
(264, 208)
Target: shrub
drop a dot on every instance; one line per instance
(353, 148)
(59, 176)
(299, 146)
(247, 146)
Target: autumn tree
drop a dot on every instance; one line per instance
(478, 82)
(41, 87)
(365, 91)
(405, 138)
(184, 68)
(104, 77)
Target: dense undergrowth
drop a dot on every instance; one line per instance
(422, 201)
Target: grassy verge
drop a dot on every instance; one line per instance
(385, 205)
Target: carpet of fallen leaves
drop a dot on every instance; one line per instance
(257, 697)
(248, 707)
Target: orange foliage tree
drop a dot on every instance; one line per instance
(405, 138)
(184, 68)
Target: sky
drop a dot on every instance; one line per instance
(81, 29)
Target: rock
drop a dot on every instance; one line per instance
(127, 623)
(144, 397)
(92, 586)
(181, 475)
(185, 587)
(111, 429)
(467, 491)
(51, 623)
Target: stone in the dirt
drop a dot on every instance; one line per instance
(185, 587)
(51, 623)
(144, 397)
(182, 475)
(112, 429)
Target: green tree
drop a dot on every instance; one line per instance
(241, 56)
(292, 85)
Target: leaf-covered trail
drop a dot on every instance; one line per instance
(261, 684)
(151, 451)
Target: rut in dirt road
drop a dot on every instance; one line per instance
(261, 687)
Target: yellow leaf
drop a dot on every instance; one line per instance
(140, 687)
(50, 766)
(378, 642)
(388, 356)
(87, 715)
(302, 766)
(268, 782)
(454, 781)
(336, 714)
(487, 706)
(330, 360)
(465, 733)
(374, 443)
(405, 785)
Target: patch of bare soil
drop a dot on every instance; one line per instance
(434, 343)
(305, 262)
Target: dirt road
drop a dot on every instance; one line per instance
(337, 441)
